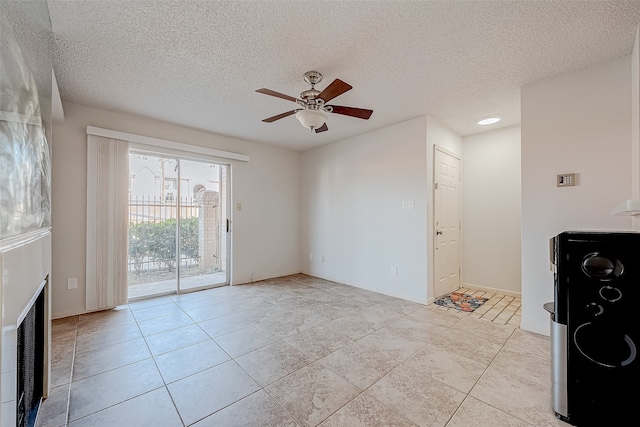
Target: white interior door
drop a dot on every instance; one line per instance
(446, 222)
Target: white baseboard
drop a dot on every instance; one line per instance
(492, 290)
(246, 281)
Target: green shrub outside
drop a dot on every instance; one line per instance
(156, 242)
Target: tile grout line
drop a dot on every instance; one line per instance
(468, 395)
(157, 368)
(73, 362)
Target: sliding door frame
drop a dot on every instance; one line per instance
(226, 192)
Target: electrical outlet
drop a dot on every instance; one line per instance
(310, 256)
(394, 271)
(238, 207)
(72, 283)
(408, 204)
(322, 259)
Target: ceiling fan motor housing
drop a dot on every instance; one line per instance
(309, 95)
(312, 77)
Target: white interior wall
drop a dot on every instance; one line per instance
(352, 194)
(441, 136)
(491, 216)
(266, 237)
(578, 122)
(635, 124)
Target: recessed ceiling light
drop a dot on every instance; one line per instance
(488, 121)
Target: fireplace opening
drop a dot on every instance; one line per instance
(31, 347)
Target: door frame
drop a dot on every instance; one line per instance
(432, 231)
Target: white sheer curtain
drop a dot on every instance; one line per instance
(107, 222)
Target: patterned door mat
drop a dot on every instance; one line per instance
(460, 301)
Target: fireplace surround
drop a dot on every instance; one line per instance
(25, 263)
(30, 362)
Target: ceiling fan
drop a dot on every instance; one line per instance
(313, 116)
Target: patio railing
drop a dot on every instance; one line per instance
(152, 234)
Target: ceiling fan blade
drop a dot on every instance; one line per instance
(353, 112)
(279, 116)
(336, 88)
(276, 94)
(322, 128)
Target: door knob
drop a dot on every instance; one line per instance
(438, 232)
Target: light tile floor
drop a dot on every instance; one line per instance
(297, 351)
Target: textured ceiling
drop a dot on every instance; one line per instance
(198, 63)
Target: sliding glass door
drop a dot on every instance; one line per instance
(177, 225)
(203, 225)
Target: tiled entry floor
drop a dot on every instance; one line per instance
(294, 351)
(502, 309)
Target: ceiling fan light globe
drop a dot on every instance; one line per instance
(311, 119)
